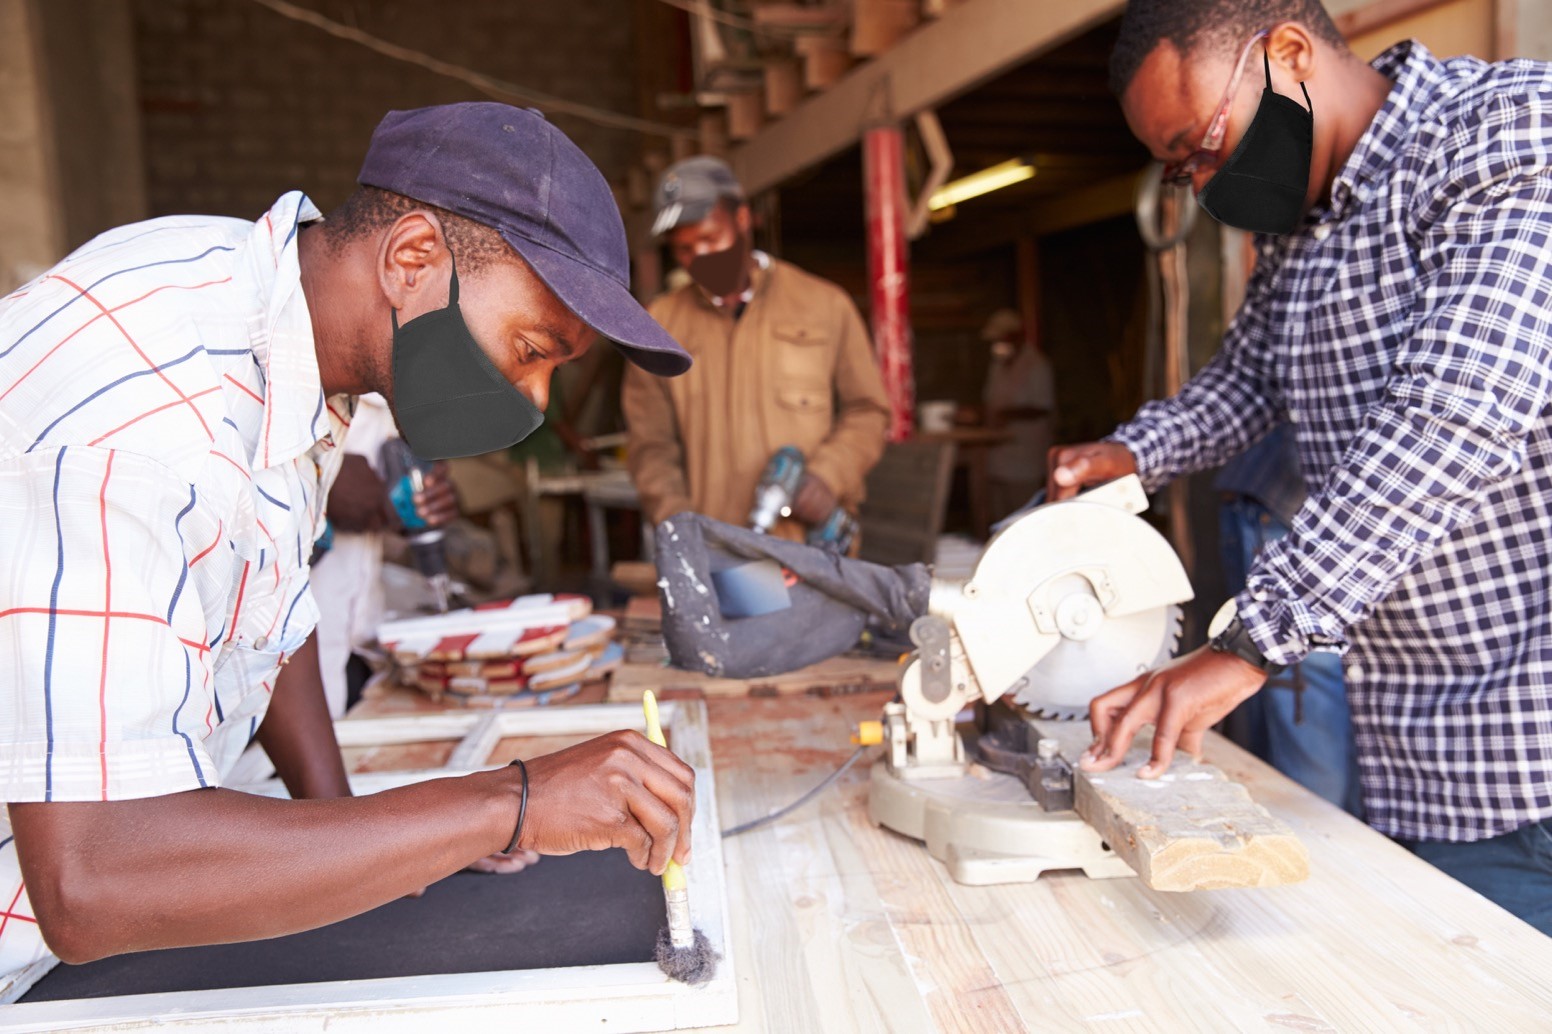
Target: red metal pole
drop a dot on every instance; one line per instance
(883, 173)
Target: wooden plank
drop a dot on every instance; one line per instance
(783, 85)
(878, 24)
(637, 577)
(970, 44)
(834, 676)
(373, 732)
(474, 749)
(815, 915)
(20, 981)
(825, 60)
(1190, 829)
(745, 114)
(643, 614)
(713, 132)
(810, 18)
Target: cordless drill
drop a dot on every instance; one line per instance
(405, 474)
(773, 497)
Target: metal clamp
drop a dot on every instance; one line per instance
(1005, 747)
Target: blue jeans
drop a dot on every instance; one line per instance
(1299, 722)
(1514, 869)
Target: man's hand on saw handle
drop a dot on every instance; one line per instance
(1076, 467)
(619, 790)
(1183, 700)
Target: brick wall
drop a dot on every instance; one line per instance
(240, 104)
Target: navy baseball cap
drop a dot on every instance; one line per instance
(510, 169)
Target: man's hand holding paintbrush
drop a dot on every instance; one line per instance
(618, 790)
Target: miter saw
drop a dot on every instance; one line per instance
(1070, 600)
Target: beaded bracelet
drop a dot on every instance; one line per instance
(522, 808)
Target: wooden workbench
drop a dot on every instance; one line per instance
(838, 926)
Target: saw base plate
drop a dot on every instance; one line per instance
(986, 829)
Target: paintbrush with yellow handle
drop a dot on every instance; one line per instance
(682, 951)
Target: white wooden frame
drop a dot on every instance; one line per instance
(626, 997)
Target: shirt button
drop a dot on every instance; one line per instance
(260, 643)
(1354, 672)
(1322, 231)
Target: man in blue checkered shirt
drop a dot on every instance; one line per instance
(1400, 319)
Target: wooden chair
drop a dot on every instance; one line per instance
(902, 516)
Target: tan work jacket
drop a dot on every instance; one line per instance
(797, 368)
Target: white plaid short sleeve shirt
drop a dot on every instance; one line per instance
(165, 447)
(1405, 332)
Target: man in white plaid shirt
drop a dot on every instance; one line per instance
(172, 399)
(1400, 318)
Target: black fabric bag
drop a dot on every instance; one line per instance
(831, 600)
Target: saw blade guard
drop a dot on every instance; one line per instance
(1085, 579)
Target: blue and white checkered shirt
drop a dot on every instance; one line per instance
(1406, 331)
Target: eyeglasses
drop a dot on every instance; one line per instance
(1206, 155)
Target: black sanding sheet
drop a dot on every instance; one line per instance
(586, 909)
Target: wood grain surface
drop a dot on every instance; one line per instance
(852, 928)
(839, 926)
(1190, 829)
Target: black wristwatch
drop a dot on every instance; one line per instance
(1227, 634)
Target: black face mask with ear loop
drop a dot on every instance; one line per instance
(1262, 186)
(448, 397)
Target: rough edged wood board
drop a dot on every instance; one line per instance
(1190, 829)
(627, 997)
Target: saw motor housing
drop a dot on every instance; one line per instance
(1072, 599)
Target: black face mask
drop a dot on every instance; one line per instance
(448, 397)
(723, 272)
(1262, 186)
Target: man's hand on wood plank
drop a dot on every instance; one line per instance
(1183, 700)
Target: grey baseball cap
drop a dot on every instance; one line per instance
(690, 189)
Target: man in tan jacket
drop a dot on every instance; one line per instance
(781, 358)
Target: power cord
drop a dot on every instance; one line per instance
(829, 781)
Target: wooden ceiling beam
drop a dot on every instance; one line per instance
(968, 45)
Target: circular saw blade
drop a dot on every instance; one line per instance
(1075, 671)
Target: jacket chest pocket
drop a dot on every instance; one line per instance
(803, 354)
